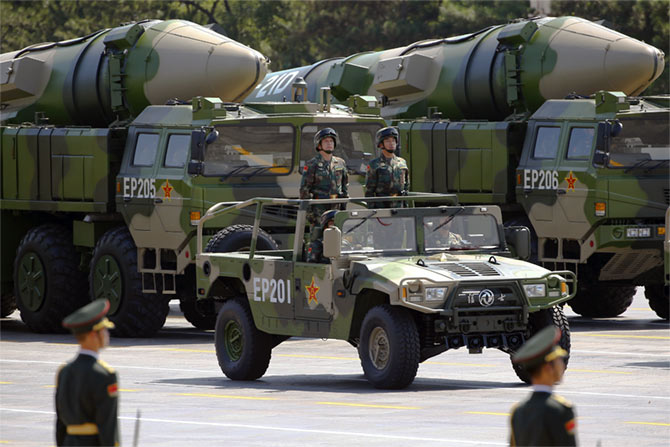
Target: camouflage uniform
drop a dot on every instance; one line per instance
(323, 180)
(387, 177)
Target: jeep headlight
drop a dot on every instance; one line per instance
(436, 293)
(535, 290)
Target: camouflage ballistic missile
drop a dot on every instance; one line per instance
(115, 73)
(485, 75)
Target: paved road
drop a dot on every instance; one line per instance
(314, 392)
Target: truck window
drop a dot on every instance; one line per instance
(644, 142)
(356, 143)
(177, 151)
(546, 142)
(251, 150)
(145, 149)
(581, 142)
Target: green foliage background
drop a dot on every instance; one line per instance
(294, 33)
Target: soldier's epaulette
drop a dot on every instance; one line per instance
(562, 400)
(106, 366)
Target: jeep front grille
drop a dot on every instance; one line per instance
(474, 297)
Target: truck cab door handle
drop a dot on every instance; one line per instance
(158, 200)
(560, 192)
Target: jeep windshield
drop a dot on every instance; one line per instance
(460, 232)
(371, 233)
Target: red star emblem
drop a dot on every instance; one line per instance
(571, 181)
(167, 189)
(311, 291)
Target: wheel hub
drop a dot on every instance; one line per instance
(107, 282)
(234, 341)
(379, 348)
(31, 282)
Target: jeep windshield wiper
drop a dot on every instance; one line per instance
(447, 220)
(363, 220)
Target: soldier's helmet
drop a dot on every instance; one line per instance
(323, 133)
(325, 217)
(387, 132)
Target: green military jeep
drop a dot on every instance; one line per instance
(401, 284)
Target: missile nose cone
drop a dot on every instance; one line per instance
(187, 60)
(631, 65)
(590, 57)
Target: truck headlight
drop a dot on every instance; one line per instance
(436, 293)
(535, 290)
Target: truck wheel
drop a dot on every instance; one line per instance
(598, 301)
(195, 315)
(659, 299)
(7, 305)
(538, 321)
(389, 347)
(114, 276)
(48, 284)
(238, 237)
(242, 350)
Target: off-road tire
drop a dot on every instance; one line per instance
(389, 347)
(538, 321)
(48, 283)
(7, 305)
(242, 350)
(113, 275)
(598, 301)
(238, 237)
(194, 315)
(659, 301)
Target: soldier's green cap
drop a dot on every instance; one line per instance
(91, 317)
(541, 348)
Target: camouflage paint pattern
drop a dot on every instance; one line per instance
(115, 73)
(489, 74)
(577, 206)
(290, 297)
(323, 179)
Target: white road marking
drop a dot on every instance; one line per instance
(348, 434)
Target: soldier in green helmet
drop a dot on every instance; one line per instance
(86, 387)
(543, 418)
(387, 175)
(324, 176)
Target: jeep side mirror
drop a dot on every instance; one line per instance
(332, 242)
(602, 144)
(519, 239)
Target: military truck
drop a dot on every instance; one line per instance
(111, 212)
(589, 176)
(400, 284)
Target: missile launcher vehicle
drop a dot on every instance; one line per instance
(485, 116)
(401, 284)
(101, 200)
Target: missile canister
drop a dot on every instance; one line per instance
(489, 74)
(115, 73)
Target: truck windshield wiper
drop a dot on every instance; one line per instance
(225, 176)
(657, 165)
(261, 169)
(639, 164)
(363, 220)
